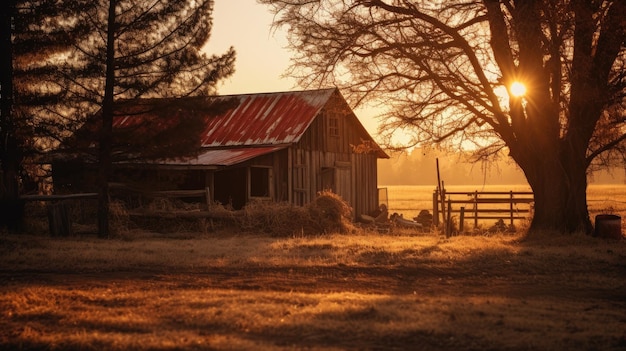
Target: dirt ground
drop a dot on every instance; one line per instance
(321, 294)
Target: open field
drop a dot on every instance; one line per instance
(363, 291)
(410, 199)
(225, 290)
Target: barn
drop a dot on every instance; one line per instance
(282, 147)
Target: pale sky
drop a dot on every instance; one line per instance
(262, 56)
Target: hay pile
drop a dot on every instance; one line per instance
(328, 213)
(276, 219)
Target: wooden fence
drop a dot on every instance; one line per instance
(481, 205)
(122, 190)
(58, 206)
(58, 210)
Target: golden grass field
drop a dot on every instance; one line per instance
(228, 290)
(410, 199)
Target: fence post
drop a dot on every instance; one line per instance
(436, 208)
(442, 193)
(59, 219)
(449, 219)
(461, 219)
(207, 194)
(475, 208)
(511, 199)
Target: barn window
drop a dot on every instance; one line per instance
(333, 126)
(260, 182)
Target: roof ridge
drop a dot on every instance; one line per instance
(280, 92)
(304, 91)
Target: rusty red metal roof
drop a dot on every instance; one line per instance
(249, 125)
(258, 119)
(222, 157)
(266, 119)
(235, 128)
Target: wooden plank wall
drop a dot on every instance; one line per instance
(318, 150)
(361, 173)
(365, 182)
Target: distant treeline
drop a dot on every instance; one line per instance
(418, 167)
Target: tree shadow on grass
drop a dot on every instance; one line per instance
(416, 298)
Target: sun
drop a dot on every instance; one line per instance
(518, 89)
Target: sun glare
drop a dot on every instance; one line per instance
(518, 89)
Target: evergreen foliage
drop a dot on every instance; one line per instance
(157, 53)
(34, 33)
(57, 54)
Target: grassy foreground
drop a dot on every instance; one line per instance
(225, 291)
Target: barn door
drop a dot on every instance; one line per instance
(343, 183)
(328, 179)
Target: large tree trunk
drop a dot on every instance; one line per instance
(11, 209)
(560, 189)
(106, 135)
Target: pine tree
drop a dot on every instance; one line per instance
(34, 34)
(139, 49)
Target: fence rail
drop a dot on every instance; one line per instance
(58, 206)
(481, 205)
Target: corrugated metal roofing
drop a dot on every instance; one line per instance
(257, 124)
(258, 119)
(266, 119)
(223, 157)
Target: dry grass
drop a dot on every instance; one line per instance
(290, 278)
(327, 213)
(225, 291)
(276, 219)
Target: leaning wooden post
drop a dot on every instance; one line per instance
(436, 207)
(442, 195)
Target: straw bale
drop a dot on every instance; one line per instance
(331, 213)
(277, 219)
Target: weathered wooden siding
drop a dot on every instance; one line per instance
(322, 158)
(325, 152)
(365, 182)
(355, 181)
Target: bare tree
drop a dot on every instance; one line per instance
(445, 69)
